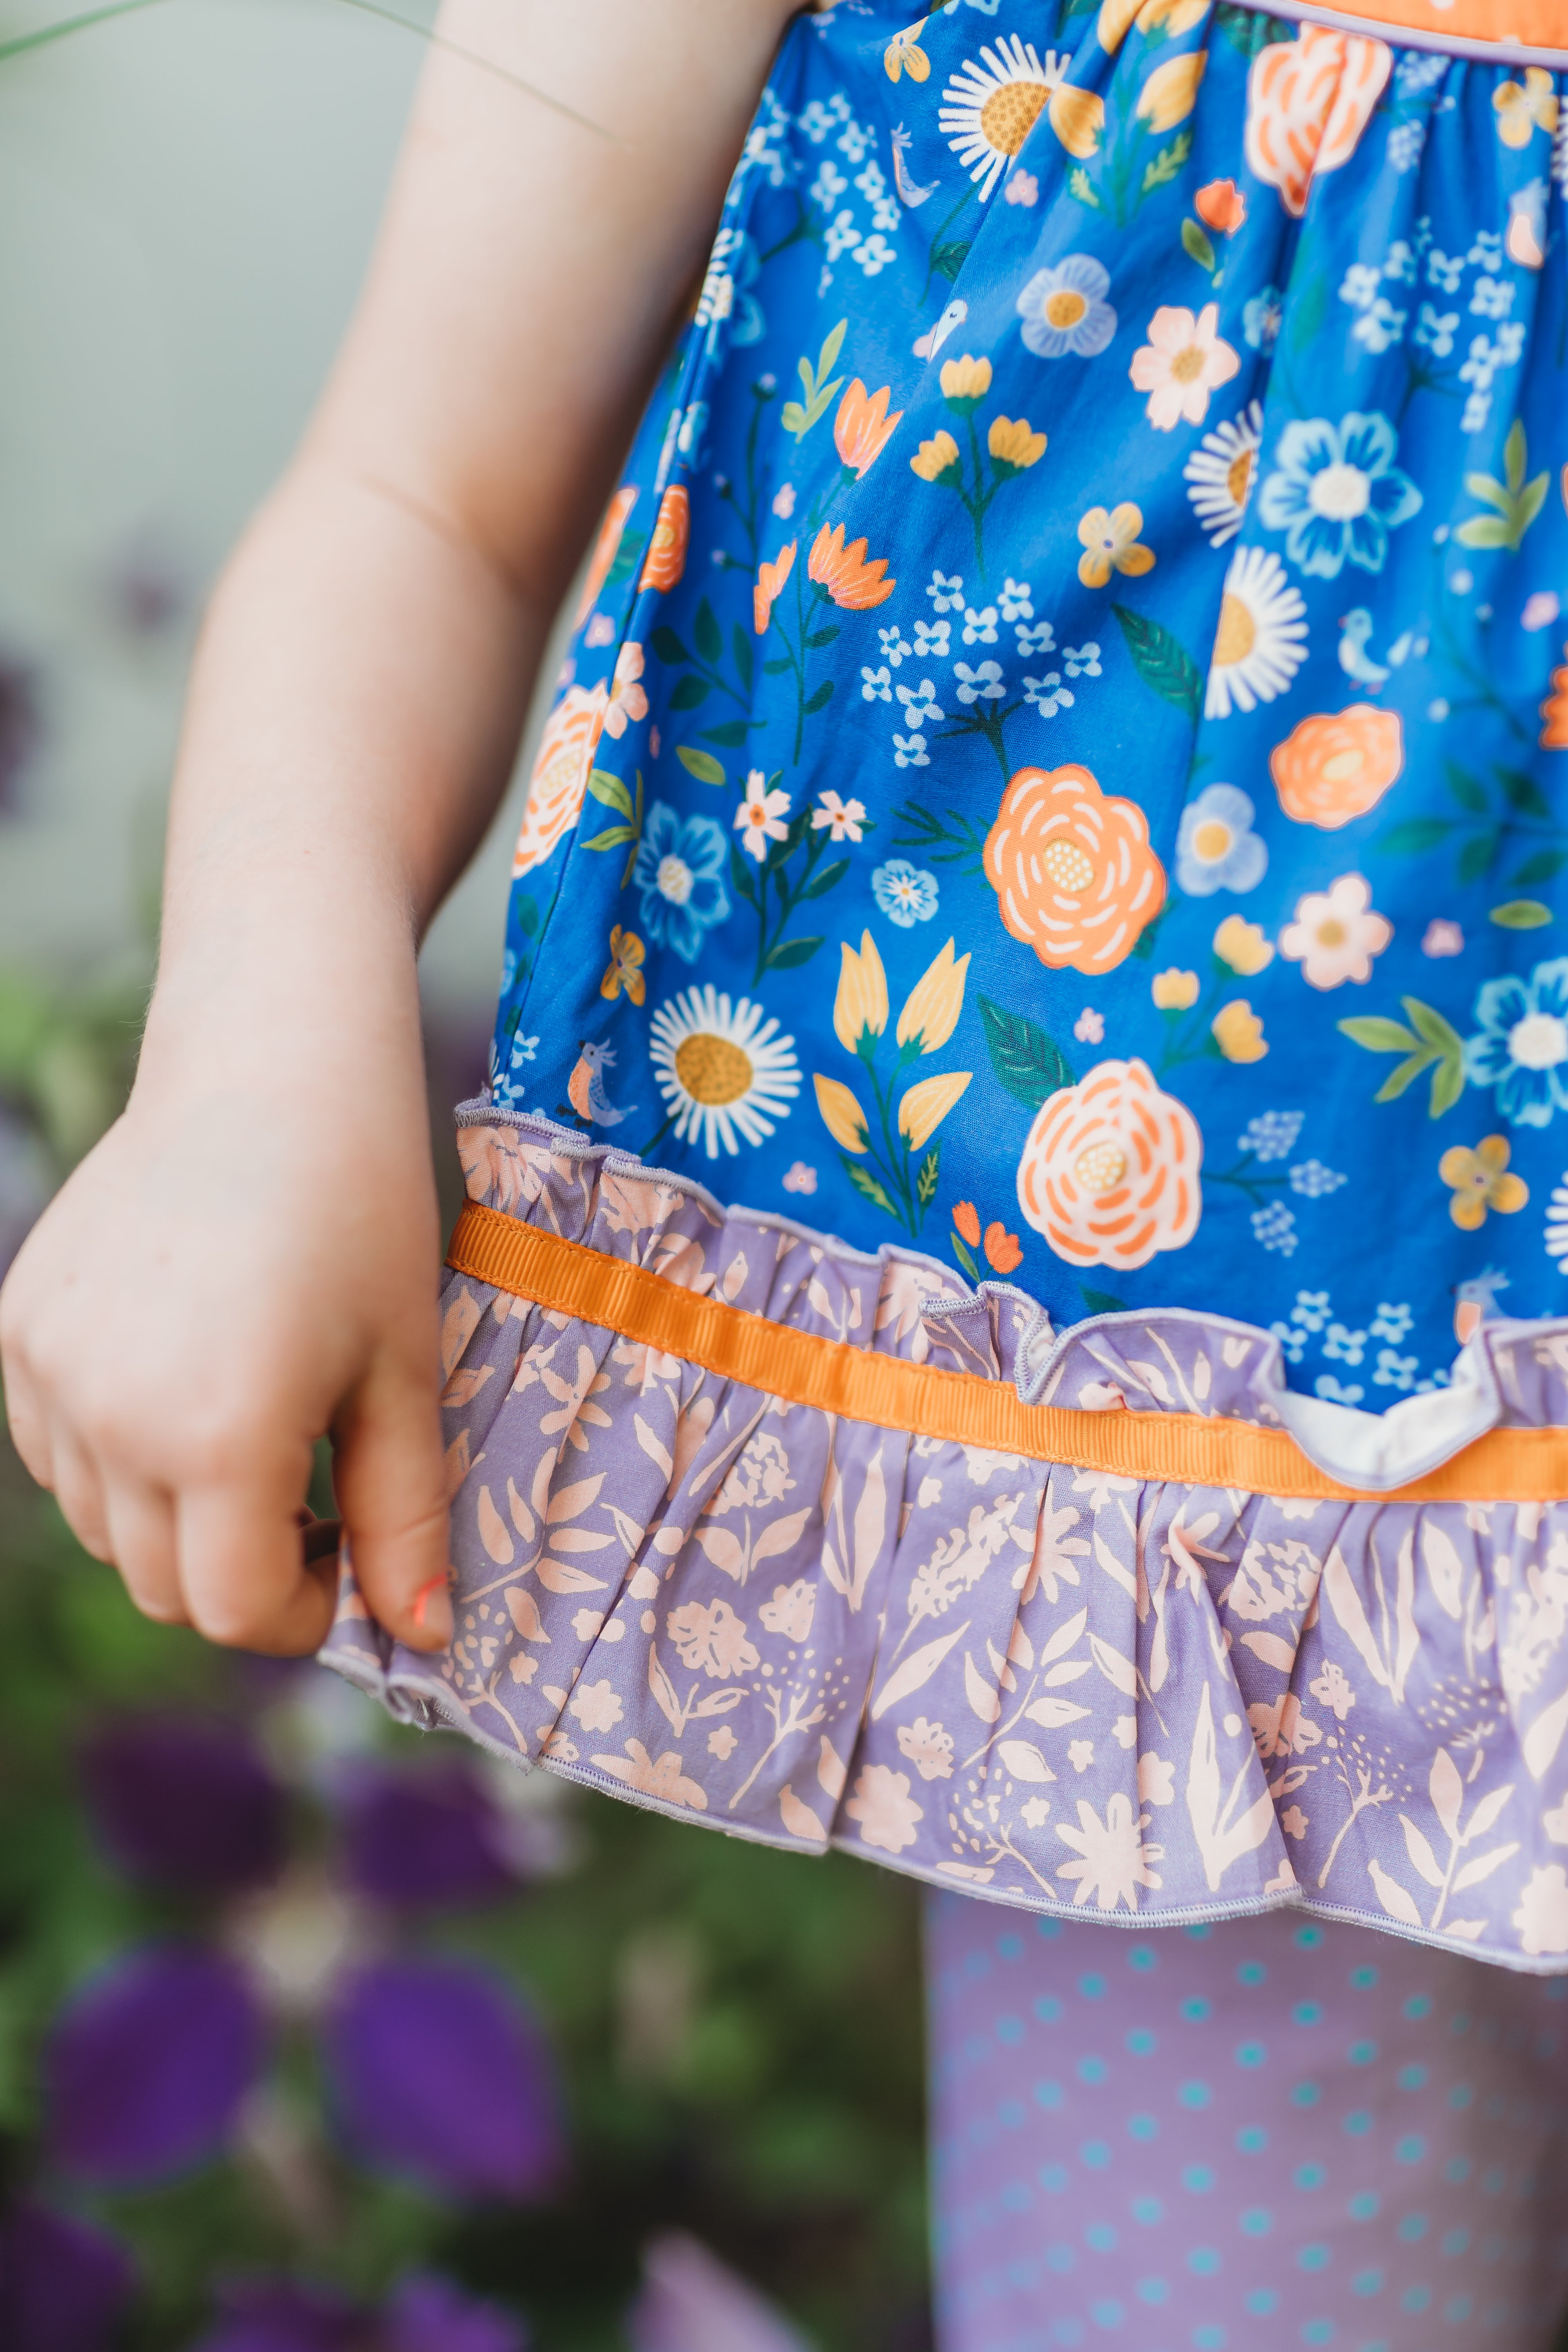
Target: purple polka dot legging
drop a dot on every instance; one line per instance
(1260, 2133)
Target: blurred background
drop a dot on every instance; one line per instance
(317, 2036)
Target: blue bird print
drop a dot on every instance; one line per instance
(586, 1088)
(1355, 629)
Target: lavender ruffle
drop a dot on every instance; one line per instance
(1059, 1689)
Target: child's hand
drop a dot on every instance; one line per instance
(248, 1259)
(227, 1277)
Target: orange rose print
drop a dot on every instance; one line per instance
(606, 547)
(1074, 875)
(666, 558)
(1555, 709)
(1330, 768)
(1307, 102)
(1109, 1172)
(560, 776)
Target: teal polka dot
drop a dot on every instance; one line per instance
(1458, 2168)
(1458, 2308)
(1049, 2096)
(1092, 1987)
(1143, 2127)
(1198, 2178)
(1143, 1955)
(1262, 2301)
(1318, 2331)
(1048, 2009)
(1016, 2198)
(1199, 1933)
(1362, 2053)
(1195, 2009)
(1093, 2070)
(1048, 1929)
(1251, 2053)
(1417, 2006)
(1456, 2240)
(1141, 2042)
(1307, 2012)
(1257, 2221)
(1012, 2114)
(1101, 2237)
(1009, 2030)
(1096, 2154)
(1148, 2210)
(1309, 1939)
(1252, 1972)
(1416, 2299)
(1365, 2205)
(1306, 2095)
(1358, 2122)
(1060, 2259)
(1494, 2180)
(1009, 1947)
(1313, 2258)
(1460, 2096)
(1107, 2315)
(1367, 2283)
(1363, 1977)
(1413, 2227)
(1252, 2140)
(1411, 2149)
(1053, 2177)
(1195, 2094)
(1411, 2078)
(1209, 2339)
(1152, 2290)
(1460, 2021)
(1203, 2261)
(1311, 2176)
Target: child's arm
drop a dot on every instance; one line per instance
(249, 1257)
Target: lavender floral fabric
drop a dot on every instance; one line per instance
(1070, 1692)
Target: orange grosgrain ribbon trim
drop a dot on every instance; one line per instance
(1520, 1465)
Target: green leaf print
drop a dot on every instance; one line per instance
(929, 1172)
(1518, 502)
(1520, 915)
(1416, 834)
(789, 952)
(867, 1185)
(1430, 1043)
(1162, 168)
(798, 418)
(1161, 661)
(611, 792)
(728, 734)
(1102, 1302)
(1025, 1060)
(705, 629)
(700, 764)
(689, 692)
(1196, 245)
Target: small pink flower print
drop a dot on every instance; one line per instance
(799, 1178)
(1184, 359)
(1090, 1026)
(1293, 1821)
(600, 631)
(595, 1707)
(1336, 933)
(885, 1809)
(722, 1743)
(1023, 188)
(1442, 938)
(1539, 610)
(1156, 1781)
(627, 700)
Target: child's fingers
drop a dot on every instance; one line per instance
(78, 1490)
(243, 1571)
(390, 1477)
(24, 1412)
(142, 1544)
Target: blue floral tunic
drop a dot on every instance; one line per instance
(1061, 760)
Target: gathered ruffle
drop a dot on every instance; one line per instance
(1059, 1688)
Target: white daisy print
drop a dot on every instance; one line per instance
(991, 105)
(1221, 472)
(1261, 640)
(726, 1075)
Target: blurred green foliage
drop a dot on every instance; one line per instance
(739, 2028)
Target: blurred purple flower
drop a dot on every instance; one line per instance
(439, 2071)
(182, 1803)
(430, 2315)
(421, 1837)
(285, 2316)
(692, 2301)
(20, 728)
(63, 2284)
(146, 2068)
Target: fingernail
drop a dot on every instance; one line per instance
(433, 1608)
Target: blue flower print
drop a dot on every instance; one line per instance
(1064, 309)
(1262, 318)
(1336, 493)
(1216, 848)
(1523, 1047)
(679, 879)
(906, 894)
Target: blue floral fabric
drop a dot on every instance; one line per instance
(1062, 759)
